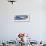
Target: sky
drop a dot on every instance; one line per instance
(36, 9)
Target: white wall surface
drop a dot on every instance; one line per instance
(9, 28)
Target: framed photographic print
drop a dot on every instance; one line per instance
(22, 18)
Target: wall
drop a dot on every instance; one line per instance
(37, 27)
